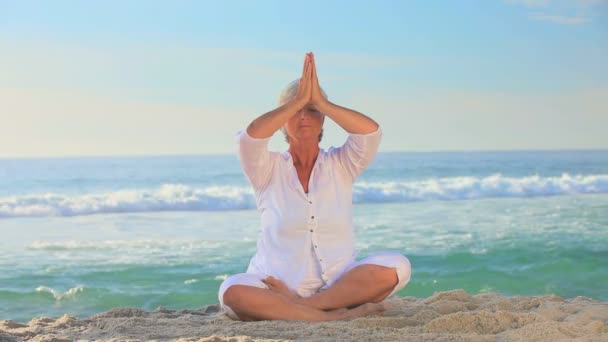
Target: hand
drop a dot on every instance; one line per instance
(305, 88)
(316, 97)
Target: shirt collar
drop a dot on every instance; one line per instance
(295, 182)
(320, 158)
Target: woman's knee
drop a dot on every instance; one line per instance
(404, 268)
(233, 295)
(400, 263)
(230, 290)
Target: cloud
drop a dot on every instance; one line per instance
(559, 19)
(530, 3)
(592, 2)
(566, 12)
(555, 3)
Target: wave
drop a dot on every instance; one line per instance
(180, 197)
(126, 245)
(58, 295)
(465, 188)
(169, 197)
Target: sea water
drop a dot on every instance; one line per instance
(83, 235)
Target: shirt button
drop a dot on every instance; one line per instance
(320, 259)
(312, 217)
(315, 246)
(310, 202)
(311, 230)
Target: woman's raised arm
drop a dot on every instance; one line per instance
(350, 120)
(267, 124)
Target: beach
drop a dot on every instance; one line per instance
(466, 136)
(445, 316)
(523, 234)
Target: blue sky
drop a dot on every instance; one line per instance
(181, 77)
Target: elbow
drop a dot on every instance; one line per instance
(373, 128)
(256, 132)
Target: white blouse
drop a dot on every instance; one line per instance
(299, 228)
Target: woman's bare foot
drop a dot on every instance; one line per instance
(279, 286)
(366, 309)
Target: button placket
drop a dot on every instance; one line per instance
(313, 222)
(312, 225)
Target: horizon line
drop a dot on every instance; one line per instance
(234, 154)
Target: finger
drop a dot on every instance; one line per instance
(314, 69)
(312, 77)
(307, 67)
(304, 65)
(310, 68)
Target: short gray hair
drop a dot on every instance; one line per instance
(289, 93)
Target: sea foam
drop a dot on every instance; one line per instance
(58, 295)
(180, 197)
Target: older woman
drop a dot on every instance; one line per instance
(304, 267)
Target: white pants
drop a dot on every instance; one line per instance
(400, 263)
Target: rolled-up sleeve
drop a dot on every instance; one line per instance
(255, 159)
(358, 152)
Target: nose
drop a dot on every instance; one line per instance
(303, 113)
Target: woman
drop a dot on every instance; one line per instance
(304, 267)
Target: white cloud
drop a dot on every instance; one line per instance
(530, 3)
(554, 3)
(559, 19)
(567, 12)
(592, 2)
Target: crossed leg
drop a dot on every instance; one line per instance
(252, 303)
(362, 284)
(358, 292)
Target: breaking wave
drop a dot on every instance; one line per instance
(179, 197)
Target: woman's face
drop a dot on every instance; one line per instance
(305, 124)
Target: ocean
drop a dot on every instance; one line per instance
(82, 235)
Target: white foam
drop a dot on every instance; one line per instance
(221, 277)
(463, 188)
(72, 255)
(58, 295)
(179, 197)
(169, 197)
(126, 245)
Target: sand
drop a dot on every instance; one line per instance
(445, 316)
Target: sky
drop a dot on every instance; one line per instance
(92, 78)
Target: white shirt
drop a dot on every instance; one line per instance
(298, 228)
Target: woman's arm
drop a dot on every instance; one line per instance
(350, 120)
(267, 124)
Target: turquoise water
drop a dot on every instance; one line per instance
(83, 235)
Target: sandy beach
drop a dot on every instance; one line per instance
(445, 316)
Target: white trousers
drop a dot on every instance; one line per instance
(400, 263)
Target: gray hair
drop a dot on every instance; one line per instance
(289, 93)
